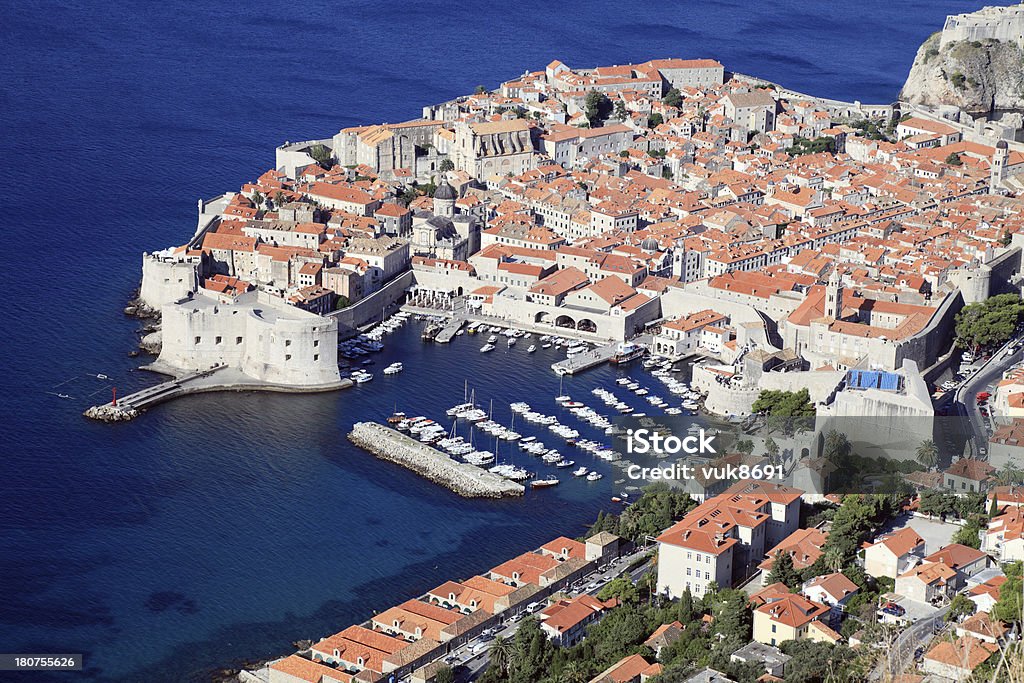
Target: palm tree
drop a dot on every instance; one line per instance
(501, 654)
(928, 454)
(574, 672)
(833, 559)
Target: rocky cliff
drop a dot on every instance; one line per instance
(978, 76)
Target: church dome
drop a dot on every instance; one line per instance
(650, 245)
(445, 191)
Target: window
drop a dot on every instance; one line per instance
(219, 339)
(316, 343)
(198, 339)
(773, 628)
(238, 340)
(316, 357)
(287, 342)
(287, 356)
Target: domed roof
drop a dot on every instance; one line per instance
(1001, 144)
(443, 228)
(650, 244)
(445, 191)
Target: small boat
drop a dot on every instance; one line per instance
(565, 463)
(581, 472)
(543, 483)
(546, 345)
(493, 338)
(486, 347)
(616, 499)
(533, 347)
(102, 376)
(571, 404)
(396, 418)
(563, 399)
(511, 342)
(594, 476)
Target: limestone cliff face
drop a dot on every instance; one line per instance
(977, 76)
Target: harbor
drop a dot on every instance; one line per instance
(462, 478)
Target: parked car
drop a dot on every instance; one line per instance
(893, 609)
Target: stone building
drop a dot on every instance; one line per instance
(260, 335)
(445, 233)
(495, 148)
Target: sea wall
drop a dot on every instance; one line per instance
(462, 478)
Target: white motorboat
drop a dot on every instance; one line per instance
(533, 347)
(486, 347)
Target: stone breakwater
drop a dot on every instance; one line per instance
(111, 413)
(462, 478)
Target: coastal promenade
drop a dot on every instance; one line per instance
(462, 478)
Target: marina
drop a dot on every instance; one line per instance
(525, 433)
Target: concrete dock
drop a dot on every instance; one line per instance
(585, 360)
(464, 479)
(450, 329)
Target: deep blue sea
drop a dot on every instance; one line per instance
(220, 528)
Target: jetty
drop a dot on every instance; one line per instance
(586, 360)
(450, 329)
(462, 478)
(216, 378)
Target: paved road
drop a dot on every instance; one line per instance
(915, 635)
(476, 663)
(965, 396)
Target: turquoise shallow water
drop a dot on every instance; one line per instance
(225, 526)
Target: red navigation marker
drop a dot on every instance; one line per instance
(114, 402)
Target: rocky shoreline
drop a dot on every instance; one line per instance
(462, 478)
(152, 337)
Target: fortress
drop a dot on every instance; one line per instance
(1005, 24)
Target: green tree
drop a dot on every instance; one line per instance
(501, 653)
(988, 323)
(937, 503)
(771, 449)
(784, 572)
(341, 302)
(574, 672)
(927, 453)
(446, 165)
(732, 618)
(620, 110)
(954, 160)
(321, 154)
(480, 90)
(833, 559)
(655, 120)
(789, 411)
(673, 98)
(445, 675)
(1008, 606)
(745, 446)
(970, 533)
(596, 107)
(961, 606)
(621, 588)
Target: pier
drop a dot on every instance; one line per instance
(450, 329)
(462, 478)
(217, 378)
(586, 360)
